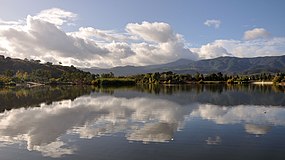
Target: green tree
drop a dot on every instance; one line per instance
(9, 73)
(23, 76)
(155, 77)
(277, 79)
(108, 75)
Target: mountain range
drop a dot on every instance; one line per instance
(229, 65)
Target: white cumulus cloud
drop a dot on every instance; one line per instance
(154, 32)
(56, 16)
(213, 23)
(107, 35)
(41, 37)
(255, 34)
(252, 48)
(211, 50)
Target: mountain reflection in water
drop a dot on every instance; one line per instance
(140, 116)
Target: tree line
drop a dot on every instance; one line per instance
(173, 78)
(46, 77)
(77, 76)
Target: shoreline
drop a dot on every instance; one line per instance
(34, 84)
(264, 83)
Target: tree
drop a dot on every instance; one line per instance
(277, 79)
(155, 77)
(220, 76)
(49, 63)
(23, 76)
(9, 73)
(41, 75)
(108, 75)
(198, 76)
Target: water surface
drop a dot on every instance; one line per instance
(143, 122)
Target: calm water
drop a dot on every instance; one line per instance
(143, 122)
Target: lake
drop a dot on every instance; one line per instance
(176, 122)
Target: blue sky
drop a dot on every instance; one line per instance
(224, 34)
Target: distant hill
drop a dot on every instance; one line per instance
(229, 65)
(13, 64)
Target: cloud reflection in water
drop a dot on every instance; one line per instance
(141, 119)
(257, 119)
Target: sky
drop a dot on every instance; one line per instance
(108, 33)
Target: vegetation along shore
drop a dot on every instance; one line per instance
(34, 73)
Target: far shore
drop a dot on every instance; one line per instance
(35, 84)
(237, 82)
